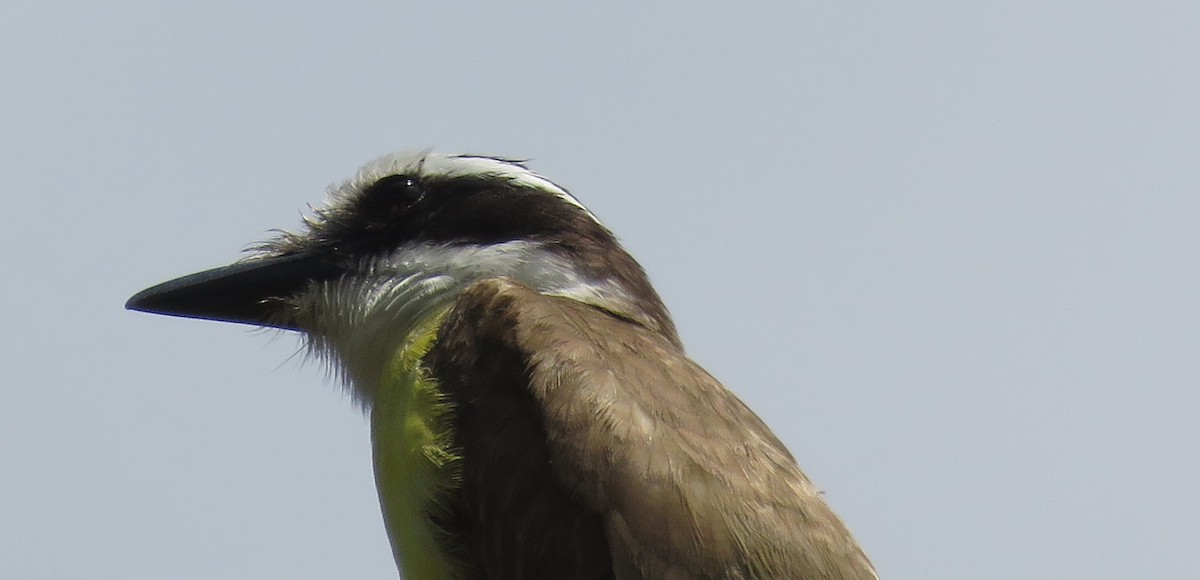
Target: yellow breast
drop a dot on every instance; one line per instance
(415, 464)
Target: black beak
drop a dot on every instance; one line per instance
(250, 292)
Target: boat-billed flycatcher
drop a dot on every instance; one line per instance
(533, 414)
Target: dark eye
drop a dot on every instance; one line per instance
(397, 190)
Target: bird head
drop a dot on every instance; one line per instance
(400, 240)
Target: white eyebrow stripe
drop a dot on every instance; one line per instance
(429, 163)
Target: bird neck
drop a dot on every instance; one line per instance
(359, 322)
(415, 463)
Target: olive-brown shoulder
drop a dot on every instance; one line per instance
(639, 444)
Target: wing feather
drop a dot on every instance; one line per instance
(658, 469)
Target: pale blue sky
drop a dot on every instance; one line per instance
(949, 251)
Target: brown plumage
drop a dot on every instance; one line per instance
(593, 448)
(554, 428)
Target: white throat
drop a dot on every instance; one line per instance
(360, 321)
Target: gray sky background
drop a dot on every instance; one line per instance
(948, 250)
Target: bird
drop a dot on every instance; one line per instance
(532, 411)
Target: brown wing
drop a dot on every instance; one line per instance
(593, 448)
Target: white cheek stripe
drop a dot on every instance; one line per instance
(448, 268)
